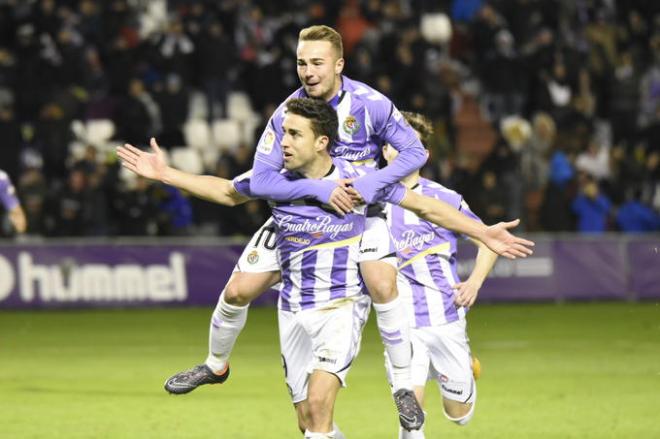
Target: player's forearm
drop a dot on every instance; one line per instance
(210, 188)
(270, 184)
(484, 263)
(408, 161)
(443, 214)
(18, 220)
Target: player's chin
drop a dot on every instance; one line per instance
(313, 91)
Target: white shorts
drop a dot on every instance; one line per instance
(376, 243)
(260, 255)
(326, 339)
(442, 353)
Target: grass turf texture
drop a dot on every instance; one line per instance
(549, 371)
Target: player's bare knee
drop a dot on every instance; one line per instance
(459, 413)
(319, 406)
(382, 289)
(235, 292)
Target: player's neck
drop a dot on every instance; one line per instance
(335, 89)
(318, 168)
(410, 180)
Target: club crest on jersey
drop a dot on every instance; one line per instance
(266, 144)
(253, 257)
(351, 125)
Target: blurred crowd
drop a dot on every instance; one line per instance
(547, 110)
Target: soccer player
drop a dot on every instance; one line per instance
(435, 299)
(322, 306)
(367, 119)
(11, 204)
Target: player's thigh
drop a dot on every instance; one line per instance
(297, 355)
(451, 361)
(260, 254)
(378, 260)
(242, 288)
(336, 334)
(257, 268)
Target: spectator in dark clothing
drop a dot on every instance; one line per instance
(33, 191)
(504, 82)
(172, 100)
(55, 135)
(90, 24)
(138, 116)
(176, 50)
(120, 62)
(591, 207)
(135, 209)
(556, 208)
(624, 98)
(633, 216)
(70, 207)
(10, 138)
(177, 209)
(491, 202)
(71, 69)
(216, 61)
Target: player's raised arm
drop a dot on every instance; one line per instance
(496, 237)
(393, 130)
(153, 165)
(267, 181)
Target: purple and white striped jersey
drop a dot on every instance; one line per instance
(367, 120)
(426, 256)
(317, 249)
(7, 192)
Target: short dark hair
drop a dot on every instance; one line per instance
(419, 123)
(321, 115)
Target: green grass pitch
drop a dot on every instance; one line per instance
(549, 371)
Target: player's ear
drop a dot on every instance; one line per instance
(339, 66)
(322, 143)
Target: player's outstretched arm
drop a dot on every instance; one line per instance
(467, 291)
(496, 237)
(153, 165)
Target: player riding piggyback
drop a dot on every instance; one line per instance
(366, 118)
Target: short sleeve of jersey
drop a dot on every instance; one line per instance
(465, 210)
(7, 192)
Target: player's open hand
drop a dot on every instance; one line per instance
(499, 240)
(146, 164)
(466, 293)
